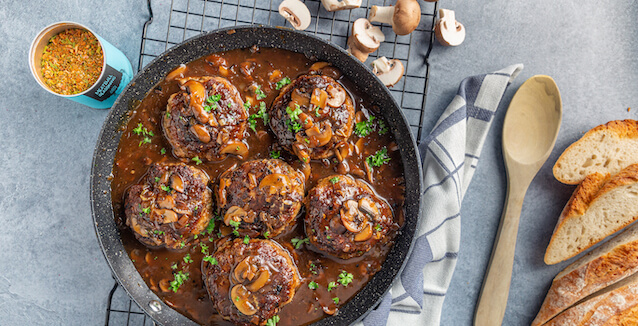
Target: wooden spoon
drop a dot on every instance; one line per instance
(529, 133)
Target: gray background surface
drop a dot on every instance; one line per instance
(51, 269)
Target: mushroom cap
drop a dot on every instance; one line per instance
(296, 13)
(407, 16)
(388, 71)
(354, 50)
(366, 36)
(448, 31)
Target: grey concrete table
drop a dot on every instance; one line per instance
(51, 269)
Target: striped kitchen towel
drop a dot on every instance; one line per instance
(449, 155)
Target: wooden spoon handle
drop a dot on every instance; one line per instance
(493, 297)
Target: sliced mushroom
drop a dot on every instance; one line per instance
(177, 72)
(365, 234)
(200, 114)
(301, 151)
(365, 37)
(355, 51)
(343, 151)
(404, 16)
(351, 217)
(343, 167)
(167, 215)
(334, 5)
(236, 147)
(306, 120)
(260, 281)
(448, 31)
(166, 202)
(388, 71)
(177, 183)
(276, 182)
(241, 298)
(318, 137)
(318, 66)
(244, 270)
(366, 205)
(234, 213)
(319, 98)
(296, 13)
(336, 96)
(196, 91)
(298, 98)
(200, 132)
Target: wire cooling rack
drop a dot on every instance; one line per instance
(170, 23)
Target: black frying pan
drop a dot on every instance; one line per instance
(224, 40)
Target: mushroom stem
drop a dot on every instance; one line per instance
(382, 14)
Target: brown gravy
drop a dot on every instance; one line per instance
(154, 265)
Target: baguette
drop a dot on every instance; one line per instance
(616, 305)
(614, 261)
(600, 206)
(605, 149)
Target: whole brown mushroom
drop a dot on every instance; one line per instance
(404, 16)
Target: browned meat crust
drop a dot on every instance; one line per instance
(206, 122)
(263, 274)
(318, 126)
(345, 218)
(264, 195)
(170, 206)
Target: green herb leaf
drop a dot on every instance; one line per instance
(364, 128)
(336, 300)
(197, 160)
(283, 82)
(297, 243)
(180, 278)
(157, 179)
(212, 260)
(331, 286)
(334, 180)
(146, 210)
(163, 151)
(166, 188)
(204, 249)
(345, 278)
(313, 285)
(383, 129)
(214, 98)
(272, 321)
(261, 114)
(188, 259)
(379, 158)
(378, 228)
(275, 154)
(246, 240)
(259, 93)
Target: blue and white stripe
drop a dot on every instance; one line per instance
(450, 154)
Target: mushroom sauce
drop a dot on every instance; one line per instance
(327, 283)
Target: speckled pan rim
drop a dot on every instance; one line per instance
(223, 40)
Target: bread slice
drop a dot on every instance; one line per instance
(615, 260)
(600, 206)
(616, 305)
(604, 149)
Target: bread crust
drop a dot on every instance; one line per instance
(623, 129)
(608, 264)
(609, 308)
(591, 189)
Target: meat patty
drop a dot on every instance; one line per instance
(345, 218)
(206, 120)
(170, 206)
(249, 283)
(311, 116)
(261, 197)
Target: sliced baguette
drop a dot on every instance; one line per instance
(600, 206)
(616, 305)
(604, 149)
(615, 260)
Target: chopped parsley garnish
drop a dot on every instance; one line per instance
(364, 128)
(317, 114)
(158, 232)
(259, 93)
(267, 234)
(163, 151)
(275, 154)
(229, 105)
(379, 158)
(197, 160)
(293, 123)
(146, 210)
(247, 106)
(378, 227)
(246, 240)
(157, 179)
(204, 248)
(334, 180)
(261, 114)
(188, 259)
(166, 188)
(214, 98)
(142, 131)
(383, 129)
(297, 243)
(336, 300)
(212, 260)
(345, 278)
(235, 225)
(331, 286)
(283, 82)
(174, 266)
(313, 268)
(182, 244)
(313, 285)
(272, 321)
(180, 277)
(168, 114)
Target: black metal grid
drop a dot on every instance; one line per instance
(172, 23)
